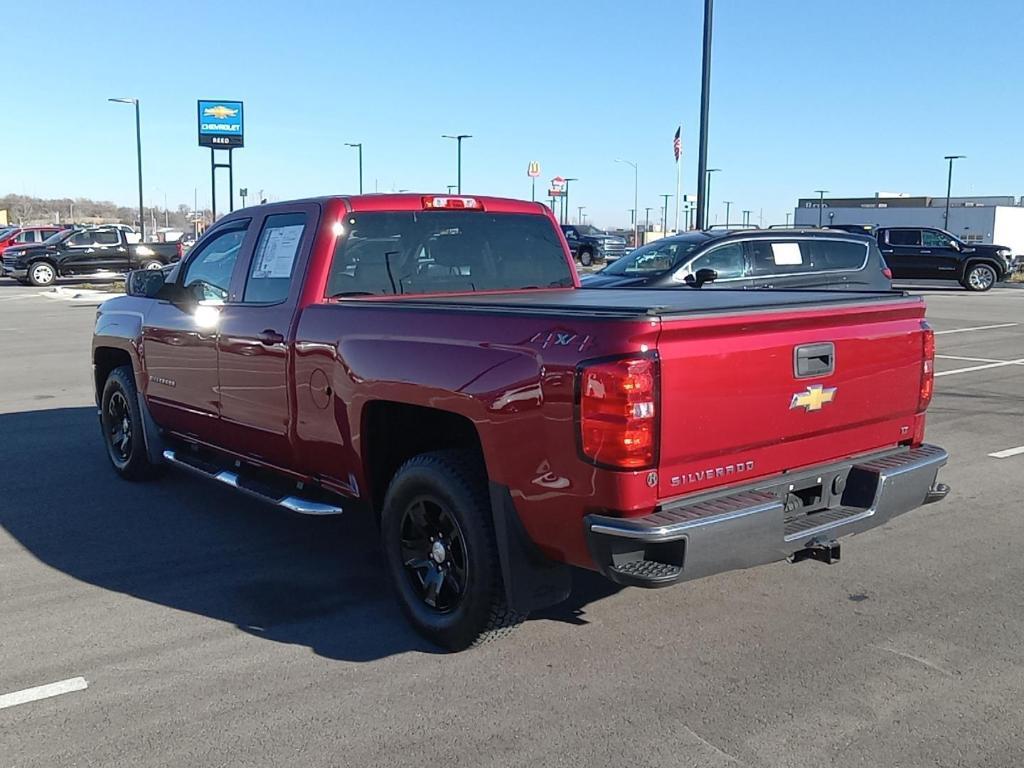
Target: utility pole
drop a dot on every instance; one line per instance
(647, 224)
(358, 145)
(705, 98)
(458, 139)
(821, 203)
(664, 215)
(949, 187)
(728, 206)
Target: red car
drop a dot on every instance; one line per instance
(430, 360)
(26, 236)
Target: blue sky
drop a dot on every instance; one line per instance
(853, 96)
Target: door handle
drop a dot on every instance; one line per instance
(924, 251)
(269, 337)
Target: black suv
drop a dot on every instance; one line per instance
(934, 254)
(775, 258)
(589, 244)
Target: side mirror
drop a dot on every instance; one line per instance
(954, 245)
(704, 275)
(146, 283)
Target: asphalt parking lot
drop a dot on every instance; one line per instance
(209, 630)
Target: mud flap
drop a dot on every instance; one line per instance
(532, 581)
(151, 432)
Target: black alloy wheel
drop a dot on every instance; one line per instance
(434, 554)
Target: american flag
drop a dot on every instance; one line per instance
(677, 143)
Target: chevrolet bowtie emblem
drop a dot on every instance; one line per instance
(813, 398)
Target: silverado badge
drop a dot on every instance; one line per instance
(813, 398)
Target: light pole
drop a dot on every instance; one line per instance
(702, 215)
(138, 148)
(451, 188)
(705, 98)
(746, 218)
(358, 145)
(565, 201)
(787, 218)
(458, 140)
(664, 215)
(579, 213)
(949, 187)
(821, 203)
(647, 224)
(636, 205)
(728, 205)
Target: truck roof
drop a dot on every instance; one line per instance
(412, 201)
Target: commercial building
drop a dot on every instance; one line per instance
(986, 219)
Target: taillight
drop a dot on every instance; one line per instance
(927, 367)
(618, 409)
(432, 202)
(887, 273)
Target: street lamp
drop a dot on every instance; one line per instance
(138, 148)
(746, 218)
(728, 205)
(565, 201)
(359, 146)
(647, 224)
(787, 218)
(705, 98)
(451, 188)
(458, 139)
(636, 206)
(579, 213)
(664, 215)
(949, 187)
(821, 203)
(702, 211)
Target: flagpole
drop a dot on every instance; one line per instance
(679, 163)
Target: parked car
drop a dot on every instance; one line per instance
(430, 361)
(96, 251)
(934, 254)
(764, 258)
(589, 244)
(26, 236)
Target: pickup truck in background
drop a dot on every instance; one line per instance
(925, 253)
(430, 360)
(590, 245)
(93, 252)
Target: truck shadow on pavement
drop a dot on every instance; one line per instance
(192, 546)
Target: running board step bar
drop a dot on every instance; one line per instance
(291, 503)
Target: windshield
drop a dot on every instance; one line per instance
(412, 252)
(654, 259)
(5, 231)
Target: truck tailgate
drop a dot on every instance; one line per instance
(734, 408)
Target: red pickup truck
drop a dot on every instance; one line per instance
(430, 360)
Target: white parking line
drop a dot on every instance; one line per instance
(968, 359)
(1000, 364)
(43, 692)
(1008, 453)
(977, 328)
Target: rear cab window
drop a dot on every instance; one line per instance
(435, 252)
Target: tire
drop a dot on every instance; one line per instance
(586, 257)
(980, 277)
(439, 544)
(42, 274)
(151, 264)
(121, 422)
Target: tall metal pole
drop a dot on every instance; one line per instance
(533, 189)
(707, 191)
(458, 140)
(746, 218)
(728, 205)
(647, 223)
(821, 203)
(579, 213)
(565, 201)
(138, 151)
(231, 181)
(358, 146)
(705, 97)
(213, 186)
(949, 188)
(636, 200)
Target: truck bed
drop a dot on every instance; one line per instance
(650, 302)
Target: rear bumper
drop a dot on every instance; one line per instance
(750, 526)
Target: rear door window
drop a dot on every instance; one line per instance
(904, 237)
(107, 237)
(272, 267)
(932, 239)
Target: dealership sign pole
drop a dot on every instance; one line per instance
(221, 126)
